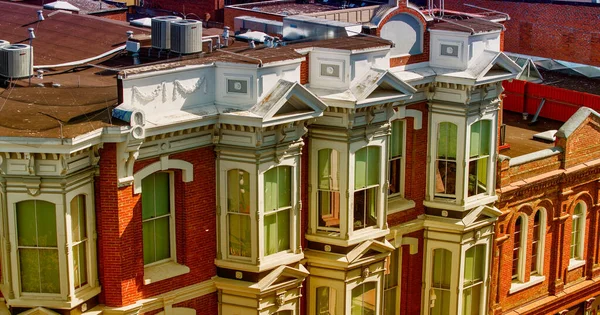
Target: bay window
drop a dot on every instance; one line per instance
(445, 165)
(157, 229)
(328, 190)
(396, 159)
(277, 207)
(238, 213)
(366, 187)
(479, 155)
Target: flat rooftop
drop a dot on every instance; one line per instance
(287, 7)
(519, 133)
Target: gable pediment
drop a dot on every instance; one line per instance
(380, 86)
(369, 249)
(481, 213)
(282, 276)
(495, 66)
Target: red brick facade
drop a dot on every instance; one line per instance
(120, 229)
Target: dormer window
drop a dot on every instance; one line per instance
(479, 154)
(366, 187)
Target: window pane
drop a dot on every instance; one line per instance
(445, 181)
(46, 224)
(270, 234)
(238, 191)
(79, 265)
(162, 200)
(373, 166)
(148, 241)
(148, 206)
(364, 298)
(329, 207)
(442, 262)
(285, 185)
(161, 228)
(328, 169)
(49, 274)
(395, 175)
(239, 235)
(475, 139)
(389, 302)
(516, 248)
(26, 223)
(365, 208)
(271, 190)
(30, 270)
(78, 218)
(397, 138)
(447, 133)
(472, 300)
(360, 168)
(283, 227)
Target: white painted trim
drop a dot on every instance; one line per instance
(167, 270)
(187, 171)
(520, 286)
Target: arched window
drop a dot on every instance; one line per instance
(364, 299)
(445, 165)
(519, 235)
(537, 242)
(473, 280)
(326, 298)
(37, 247)
(238, 213)
(479, 154)
(329, 190)
(366, 187)
(578, 231)
(277, 206)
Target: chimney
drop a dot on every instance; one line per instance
(31, 33)
(40, 15)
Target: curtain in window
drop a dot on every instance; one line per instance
(328, 191)
(37, 246)
(79, 234)
(238, 208)
(473, 280)
(445, 181)
(364, 299)
(440, 281)
(156, 216)
(395, 157)
(277, 205)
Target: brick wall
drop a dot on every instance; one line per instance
(199, 8)
(117, 15)
(230, 13)
(559, 31)
(120, 228)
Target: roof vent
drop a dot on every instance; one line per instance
(40, 15)
(16, 61)
(161, 31)
(186, 36)
(31, 33)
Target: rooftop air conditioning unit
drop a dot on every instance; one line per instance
(161, 31)
(186, 36)
(4, 43)
(16, 61)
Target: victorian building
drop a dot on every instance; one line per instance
(357, 174)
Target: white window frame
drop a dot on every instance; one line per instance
(224, 167)
(483, 283)
(398, 253)
(293, 253)
(381, 194)
(225, 209)
(339, 191)
(578, 260)
(399, 194)
(428, 271)
(170, 268)
(171, 215)
(487, 157)
(459, 169)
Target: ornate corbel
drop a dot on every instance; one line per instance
(128, 151)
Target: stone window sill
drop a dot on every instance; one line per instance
(575, 263)
(519, 286)
(171, 269)
(397, 204)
